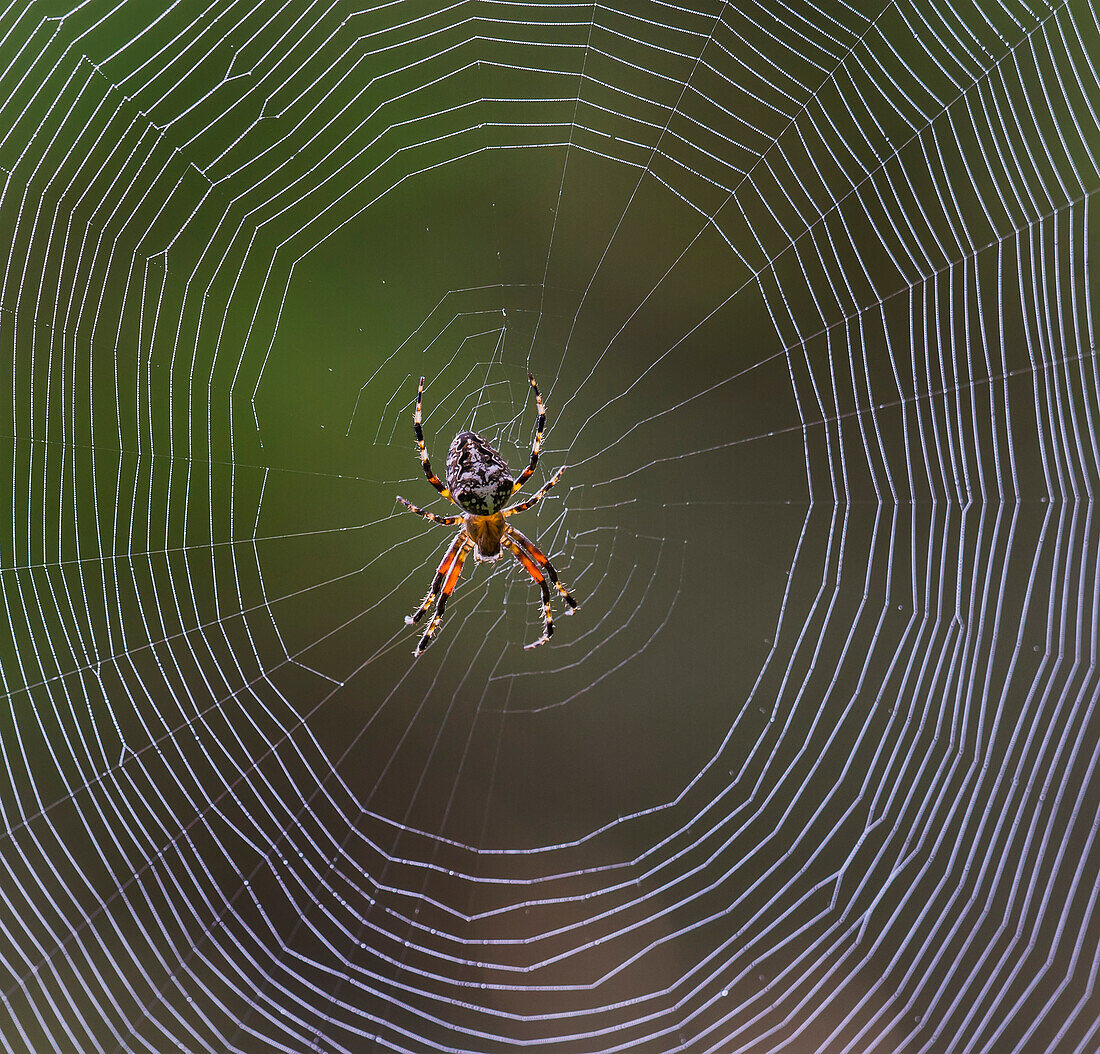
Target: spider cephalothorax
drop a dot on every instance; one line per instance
(480, 483)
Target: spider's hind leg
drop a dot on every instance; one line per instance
(540, 425)
(426, 464)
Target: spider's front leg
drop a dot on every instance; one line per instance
(538, 566)
(437, 582)
(543, 562)
(443, 585)
(532, 569)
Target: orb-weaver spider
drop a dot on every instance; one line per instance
(479, 482)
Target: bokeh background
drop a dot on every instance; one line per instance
(808, 293)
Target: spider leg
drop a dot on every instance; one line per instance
(440, 576)
(448, 589)
(532, 569)
(525, 475)
(543, 562)
(447, 521)
(433, 479)
(537, 496)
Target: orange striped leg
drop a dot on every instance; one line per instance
(440, 578)
(525, 475)
(532, 569)
(433, 479)
(543, 562)
(448, 589)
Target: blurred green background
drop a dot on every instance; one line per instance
(818, 360)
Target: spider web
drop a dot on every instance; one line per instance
(807, 291)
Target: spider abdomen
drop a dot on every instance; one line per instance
(477, 476)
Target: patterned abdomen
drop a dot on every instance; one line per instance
(477, 476)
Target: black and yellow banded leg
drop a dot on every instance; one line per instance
(444, 595)
(532, 569)
(525, 475)
(537, 496)
(433, 479)
(446, 521)
(543, 562)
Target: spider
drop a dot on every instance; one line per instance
(480, 483)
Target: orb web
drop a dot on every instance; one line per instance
(807, 292)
